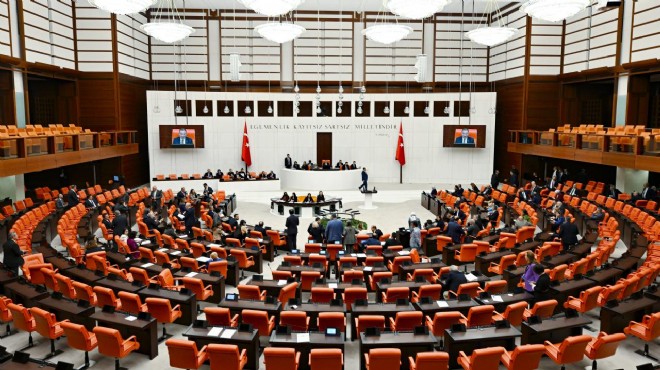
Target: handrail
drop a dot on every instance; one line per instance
(13, 147)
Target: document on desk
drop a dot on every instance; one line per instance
(281, 282)
(203, 259)
(146, 265)
(497, 298)
(228, 333)
(181, 217)
(368, 268)
(332, 285)
(302, 338)
(404, 253)
(145, 242)
(183, 236)
(130, 318)
(442, 304)
(191, 274)
(215, 332)
(260, 240)
(213, 245)
(162, 249)
(470, 277)
(137, 240)
(176, 253)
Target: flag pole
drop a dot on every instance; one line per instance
(400, 174)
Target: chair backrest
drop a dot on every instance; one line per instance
(471, 289)
(407, 321)
(84, 292)
(280, 358)
(486, 358)
(444, 320)
(258, 319)
(331, 320)
(249, 292)
(432, 290)
(45, 323)
(604, 346)
(78, 337)
(384, 358)
(288, 292)
(106, 297)
(224, 356)
(432, 361)
(219, 266)
(322, 295)
(326, 359)
(514, 313)
(109, 341)
(297, 320)
(526, 357)
(159, 308)
(370, 321)
(183, 353)
(589, 298)
(572, 348)
(496, 286)
(130, 302)
(480, 315)
(544, 309)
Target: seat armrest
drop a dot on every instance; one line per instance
(208, 287)
(462, 354)
(392, 324)
(250, 258)
(132, 338)
(177, 308)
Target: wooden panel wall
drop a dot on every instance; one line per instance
(52, 101)
(510, 110)
(542, 108)
(97, 105)
(448, 58)
(507, 60)
(393, 62)
(7, 107)
(133, 106)
(645, 33)
(5, 30)
(49, 29)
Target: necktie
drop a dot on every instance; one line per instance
(464, 141)
(644, 193)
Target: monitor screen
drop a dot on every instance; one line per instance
(115, 178)
(181, 137)
(464, 136)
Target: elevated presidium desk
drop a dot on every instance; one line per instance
(315, 180)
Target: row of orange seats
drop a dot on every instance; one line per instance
(25, 226)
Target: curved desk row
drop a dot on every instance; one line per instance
(215, 184)
(309, 210)
(320, 180)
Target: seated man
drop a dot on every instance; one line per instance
(219, 174)
(208, 174)
(271, 176)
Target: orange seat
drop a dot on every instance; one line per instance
(406, 321)
(226, 357)
(79, 338)
(259, 320)
(218, 266)
(394, 293)
(65, 286)
(288, 292)
(543, 309)
(184, 354)
(163, 312)
(525, 357)
(442, 321)
(141, 275)
(307, 278)
(479, 316)
(106, 297)
(569, 351)
(281, 358)
(363, 322)
(111, 344)
(322, 295)
(376, 277)
(5, 314)
(513, 313)
(297, 320)
(429, 361)
(467, 253)
(326, 359)
(244, 262)
(85, 292)
(383, 359)
(167, 281)
(352, 294)
(471, 289)
(481, 359)
(251, 292)
(202, 293)
(647, 330)
(23, 320)
(588, 300)
(331, 320)
(218, 316)
(47, 326)
(603, 346)
(428, 275)
(496, 287)
(131, 302)
(432, 291)
(282, 275)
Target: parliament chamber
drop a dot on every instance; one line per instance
(330, 185)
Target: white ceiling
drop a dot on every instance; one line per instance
(345, 5)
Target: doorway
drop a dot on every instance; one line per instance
(323, 147)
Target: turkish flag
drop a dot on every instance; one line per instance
(245, 152)
(400, 149)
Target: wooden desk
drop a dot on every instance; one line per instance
(613, 320)
(554, 330)
(60, 262)
(526, 247)
(6, 277)
(409, 344)
(366, 270)
(272, 287)
(607, 276)
(568, 288)
(248, 341)
(217, 283)
(581, 250)
(338, 286)
(626, 264)
(478, 338)
(413, 286)
(409, 269)
(313, 310)
(119, 285)
(382, 309)
(25, 294)
(481, 263)
(83, 275)
(66, 309)
(429, 309)
(120, 259)
(560, 259)
(237, 307)
(46, 250)
(316, 340)
(512, 277)
(430, 246)
(32, 364)
(296, 270)
(507, 299)
(188, 303)
(144, 330)
(481, 279)
(448, 254)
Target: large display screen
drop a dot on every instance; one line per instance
(181, 137)
(464, 136)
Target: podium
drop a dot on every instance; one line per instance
(368, 199)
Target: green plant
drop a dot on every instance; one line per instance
(358, 224)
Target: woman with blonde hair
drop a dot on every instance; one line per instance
(530, 276)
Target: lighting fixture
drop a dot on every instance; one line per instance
(279, 32)
(427, 110)
(318, 110)
(156, 109)
(415, 9)
(339, 110)
(363, 89)
(248, 110)
(488, 35)
(554, 10)
(226, 110)
(206, 109)
(473, 109)
(271, 8)
(318, 89)
(446, 110)
(421, 66)
(235, 67)
(386, 110)
(122, 6)
(387, 33)
(406, 110)
(167, 28)
(340, 104)
(359, 110)
(270, 109)
(178, 109)
(296, 88)
(359, 103)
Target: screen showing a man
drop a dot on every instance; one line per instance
(465, 137)
(183, 137)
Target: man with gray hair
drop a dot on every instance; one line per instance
(13, 255)
(454, 279)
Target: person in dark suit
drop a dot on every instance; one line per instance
(189, 218)
(208, 174)
(119, 224)
(181, 195)
(291, 225)
(271, 175)
(231, 174)
(454, 279)
(465, 138)
(376, 231)
(454, 231)
(320, 198)
(296, 166)
(308, 198)
(219, 174)
(495, 179)
(513, 178)
(365, 178)
(434, 192)
(285, 197)
(73, 196)
(12, 254)
(59, 203)
(316, 231)
(183, 138)
(568, 233)
(326, 165)
(288, 162)
(541, 290)
(260, 228)
(552, 184)
(334, 230)
(340, 165)
(149, 219)
(354, 166)
(648, 193)
(91, 203)
(156, 197)
(233, 221)
(613, 192)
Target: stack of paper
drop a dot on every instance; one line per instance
(214, 332)
(191, 274)
(228, 333)
(302, 338)
(442, 304)
(146, 265)
(281, 282)
(471, 277)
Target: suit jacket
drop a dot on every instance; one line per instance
(59, 203)
(13, 255)
(91, 203)
(494, 181)
(182, 141)
(287, 162)
(648, 194)
(119, 225)
(334, 230)
(189, 217)
(542, 288)
(459, 140)
(260, 229)
(208, 175)
(73, 198)
(232, 222)
(365, 176)
(150, 222)
(568, 233)
(454, 279)
(455, 231)
(156, 195)
(291, 224)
